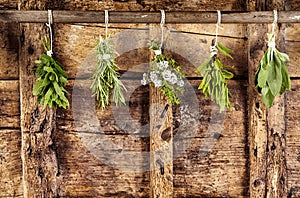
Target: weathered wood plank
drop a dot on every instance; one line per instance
(276, 157)
(60, 16)
(293, 139)
(90, 168)
(8, 4)
(37, 124)
(257, 136)
(8, 51)
(161, 145)
(10, 164)
(10, 104)
(134, 5)
(212, 160)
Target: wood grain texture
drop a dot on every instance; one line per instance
(136, 5)
(146, 17)
(9, 51)
(257, 134)
(10, 164)
(292, 139)
(104, 153)
(10, 104)
(211, 156)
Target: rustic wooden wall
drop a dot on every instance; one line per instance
(219, 156)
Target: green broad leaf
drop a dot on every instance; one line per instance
(262, 77)
(274, 79)
(286, 81)
(224, 50)
(37, 87)
(227, 74)
(283, 57)
(267, 97)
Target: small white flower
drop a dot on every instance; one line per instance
(157, 83)
(166, 75)
(180, 83)
(157, 52)
(163, 64)
(106, 56)
(144, 82)
(153, 76)
(173, 79)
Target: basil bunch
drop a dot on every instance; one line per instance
(50, 82)
(272, 76)
(106, 78)
(214, 74)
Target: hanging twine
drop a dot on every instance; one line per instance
(213, 49)
(106, 23)
(49, 25)
(162, 23)
(273, 44)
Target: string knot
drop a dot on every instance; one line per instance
(272, 44)
(213, 50)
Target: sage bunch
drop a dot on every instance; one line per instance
(50, 80)
(105, 80)
(214, 73)
(272, 77)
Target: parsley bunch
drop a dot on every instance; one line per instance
(214, 74)
(272, 77)
(50, 82)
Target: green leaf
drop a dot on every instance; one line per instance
(227, 74)
(262, 77)
(203, 66)
(267, 97)
(37, 87)
(224, 50)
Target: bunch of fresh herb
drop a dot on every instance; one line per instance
(214, 74)
(106, 78)
(272, 76)
(50, 82)
(164, 74)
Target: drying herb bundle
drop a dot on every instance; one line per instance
(272, 76)
(214, 74)
(164, 74)
(50, 82)
(106, 78)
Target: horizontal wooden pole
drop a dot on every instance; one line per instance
(147, 17)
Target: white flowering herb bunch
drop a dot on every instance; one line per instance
(106, 77)
(164, 74)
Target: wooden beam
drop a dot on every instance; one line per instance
(39, 160)
(257, 114)
(161, 143)
(268, 177)
(147, 17)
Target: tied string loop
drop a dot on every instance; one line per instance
(49, 25)
(106, 23)
(162, 23)
(275, 21)
(213, 48)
